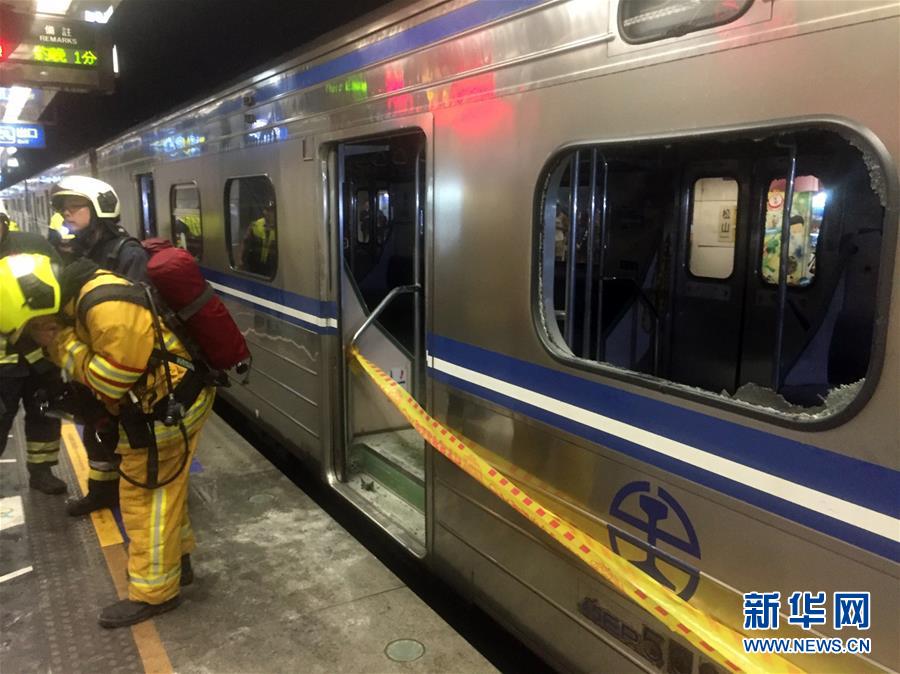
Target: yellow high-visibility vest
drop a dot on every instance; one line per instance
(265, 236)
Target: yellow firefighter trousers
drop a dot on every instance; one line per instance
(156, 520)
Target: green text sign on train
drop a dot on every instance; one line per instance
(54, 52)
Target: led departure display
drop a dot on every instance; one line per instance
(54, 52)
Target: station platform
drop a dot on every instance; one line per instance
(279, 585)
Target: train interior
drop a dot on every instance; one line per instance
(382, 185)
(676, 249)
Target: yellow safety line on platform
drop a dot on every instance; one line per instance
(104, 523)
(716, 640)
(150, 647)
(153, 653)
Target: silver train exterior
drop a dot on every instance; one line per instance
(435, 147)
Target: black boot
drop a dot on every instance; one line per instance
(187, 571)
(101, 494)
(40, 477)
(127, 612)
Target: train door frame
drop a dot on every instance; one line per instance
(138, 181)
(329, 144)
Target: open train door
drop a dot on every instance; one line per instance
(380, 192)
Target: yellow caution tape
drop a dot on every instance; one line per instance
(717, 641)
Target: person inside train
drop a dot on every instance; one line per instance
(23, 373)
(186, 232)
(107, 335)
(91, 212)
(259, 252)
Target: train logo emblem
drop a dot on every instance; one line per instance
(661, 519)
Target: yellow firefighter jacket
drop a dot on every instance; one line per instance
(111, 354)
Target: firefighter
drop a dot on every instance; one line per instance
(23, 373)
(108, 337)
(90, 209)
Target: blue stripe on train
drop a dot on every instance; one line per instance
(442, 27)
(284, 298)
(416, 37)
(853, 480)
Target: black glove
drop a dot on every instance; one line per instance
(72, 399)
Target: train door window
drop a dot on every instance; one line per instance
(649, 260)
(643, 21)
(250, 224)
(807, 209)
(713, 225)
(187, 226)
(146, 205)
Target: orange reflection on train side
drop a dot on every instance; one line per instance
(492, 118)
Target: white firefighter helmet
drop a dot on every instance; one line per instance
(101, 195)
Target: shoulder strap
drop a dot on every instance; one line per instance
(109, 292)
(112, 257)
(197, 304)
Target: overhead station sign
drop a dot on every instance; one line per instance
(22, 135)
(54, 52)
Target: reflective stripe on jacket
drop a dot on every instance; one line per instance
(10, 356)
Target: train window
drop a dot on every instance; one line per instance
(187, 225)
(807, 209)
(712, 227)
(146, 205)
(649, 20)
(650, 264)
(250, 222)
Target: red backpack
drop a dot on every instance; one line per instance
(194, 304)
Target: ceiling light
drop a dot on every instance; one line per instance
(15, 102)
(97, 16)
(52, 6)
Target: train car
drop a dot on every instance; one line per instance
(639, 253)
